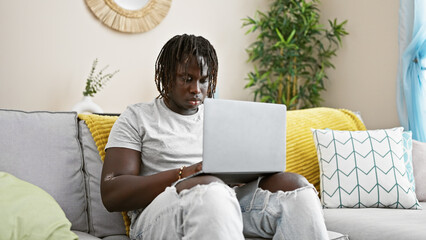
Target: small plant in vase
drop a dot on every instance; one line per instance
(94, 83)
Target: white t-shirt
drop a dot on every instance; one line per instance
(166, 139)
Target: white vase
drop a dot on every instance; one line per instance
(86, 105)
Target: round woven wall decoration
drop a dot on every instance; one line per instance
(129, 20)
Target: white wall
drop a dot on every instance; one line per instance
(47, 48)
(366, 66)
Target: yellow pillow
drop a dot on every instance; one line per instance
(301, 152)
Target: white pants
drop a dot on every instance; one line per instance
(216, 211)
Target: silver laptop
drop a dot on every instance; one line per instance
(243, 140)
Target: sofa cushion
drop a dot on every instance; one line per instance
(331, 235)
(363, 169)
(337, 236)
(43, 148)
(117, 237)
(101, 222)
(377, 223)
(419, 167)
(28, 212)
(85, 236)
(301, 154)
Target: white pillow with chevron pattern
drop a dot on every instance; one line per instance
(362, 169)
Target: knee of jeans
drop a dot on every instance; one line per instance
(284, 181)
(215, 198)
(199, 180)
(302, 201)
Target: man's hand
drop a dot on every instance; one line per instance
(188, 171)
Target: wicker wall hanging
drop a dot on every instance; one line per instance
(130, 21)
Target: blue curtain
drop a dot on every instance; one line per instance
(411, 95)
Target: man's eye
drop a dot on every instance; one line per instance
(187, 79)
(204, 81)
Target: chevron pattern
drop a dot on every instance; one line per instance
(361, 169)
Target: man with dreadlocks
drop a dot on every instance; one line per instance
(154, 147)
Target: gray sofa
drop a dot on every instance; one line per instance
(56, 151)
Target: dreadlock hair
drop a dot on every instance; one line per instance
(179, 50)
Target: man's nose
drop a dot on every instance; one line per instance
(195, 87)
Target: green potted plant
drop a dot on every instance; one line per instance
(94, 83)
(291, 53)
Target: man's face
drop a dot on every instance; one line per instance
(190, 88)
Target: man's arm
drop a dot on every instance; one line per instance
(122, 189)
